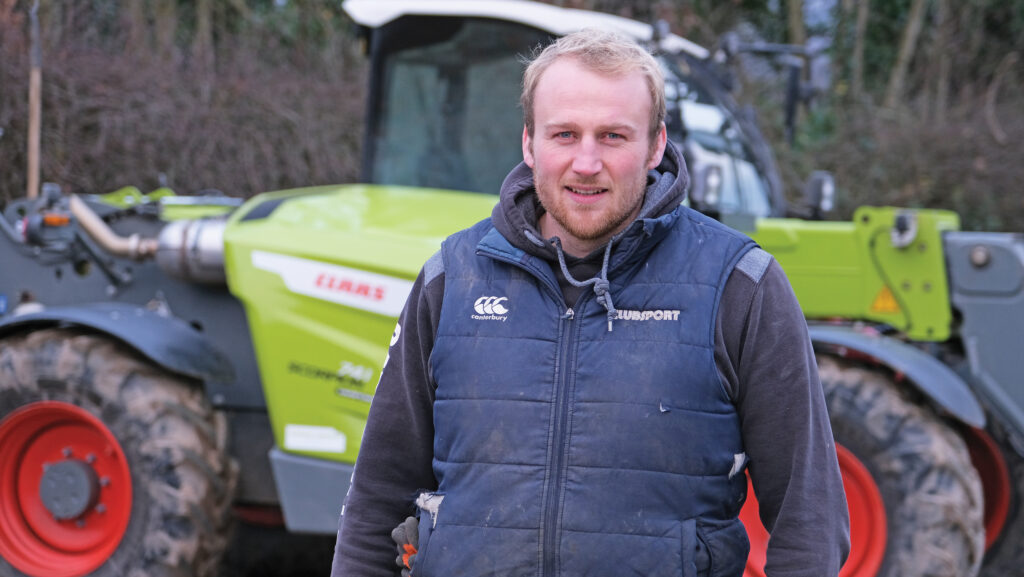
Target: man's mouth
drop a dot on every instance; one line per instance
(588, 191)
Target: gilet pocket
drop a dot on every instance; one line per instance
(428, 506)
(695, 555)
(727, 547)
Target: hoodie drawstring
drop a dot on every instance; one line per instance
(600, 282)
(532, 237)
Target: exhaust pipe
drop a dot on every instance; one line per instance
(191, 250)
(134, 246)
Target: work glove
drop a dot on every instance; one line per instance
(407, 537)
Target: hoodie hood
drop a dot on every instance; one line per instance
(518, 210)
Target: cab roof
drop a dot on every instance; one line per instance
(552, 19)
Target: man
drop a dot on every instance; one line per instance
(588, 404)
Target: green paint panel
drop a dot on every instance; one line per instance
(839, 269)
(323, 273)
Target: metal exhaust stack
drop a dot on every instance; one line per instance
(193, 250)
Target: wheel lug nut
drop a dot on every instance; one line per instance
(80, 523)
(101, 508)
(66, 451)
(90, 458)
(46, 466)
(104, 481)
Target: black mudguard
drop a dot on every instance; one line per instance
(930, 376)
(167, 341)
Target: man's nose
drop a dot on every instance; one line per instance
(587, 160)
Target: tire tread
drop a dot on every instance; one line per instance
(932, 493)
(173, 438)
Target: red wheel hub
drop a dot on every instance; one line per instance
(867, 522)
(65, 490)
(995, 481)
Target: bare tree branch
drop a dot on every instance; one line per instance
(165, 20)
(133, 17)
(941, 52)
(857, 66)
(202, 47)
(1009, 61)
(795, 12)
(908, 44)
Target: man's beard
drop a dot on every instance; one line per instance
(590, 231)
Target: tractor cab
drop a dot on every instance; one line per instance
(443, 108)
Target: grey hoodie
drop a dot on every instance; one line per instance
(762, 351)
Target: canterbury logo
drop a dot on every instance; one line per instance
(491, 309)
(490, 306)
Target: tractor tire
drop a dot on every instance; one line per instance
(1005, 557)
(930, 492)
(82, 414)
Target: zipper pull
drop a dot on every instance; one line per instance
(569, 314)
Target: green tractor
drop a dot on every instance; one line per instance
(171, 366)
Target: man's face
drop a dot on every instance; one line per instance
(590, 152)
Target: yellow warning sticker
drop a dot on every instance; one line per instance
(885, 302)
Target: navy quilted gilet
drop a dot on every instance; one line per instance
(563, 448)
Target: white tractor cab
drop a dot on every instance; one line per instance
(443, 108)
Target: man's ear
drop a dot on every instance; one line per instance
(527, 148)
(658, 148)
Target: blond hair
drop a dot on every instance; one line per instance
(606, 53)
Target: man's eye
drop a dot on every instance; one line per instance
(564, 134)
(615, 136)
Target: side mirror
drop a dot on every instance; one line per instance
(820, 194)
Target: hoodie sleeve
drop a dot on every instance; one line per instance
(395, 457)
(764, 354)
